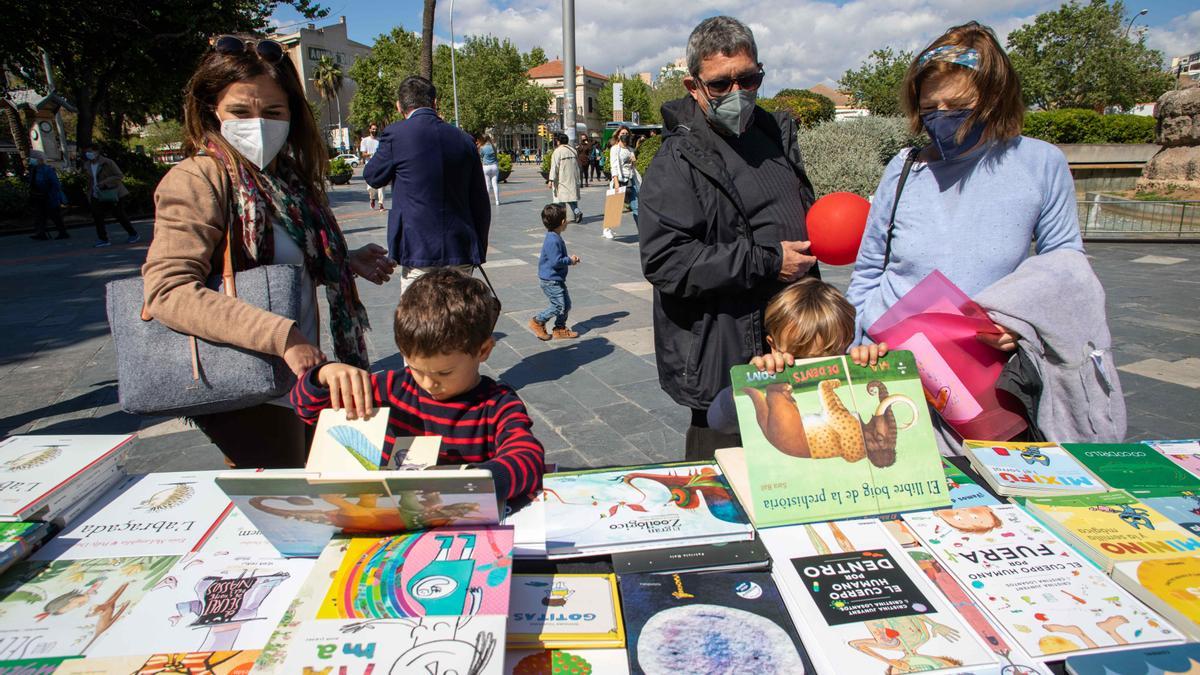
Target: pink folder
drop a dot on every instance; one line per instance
(938, 323)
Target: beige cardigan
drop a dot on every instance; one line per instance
(191, 213)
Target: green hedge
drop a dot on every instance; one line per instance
(849, 155)
(14, 196)
(1088, 126)
(647, 152)
(504, 162)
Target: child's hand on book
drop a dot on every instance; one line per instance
(349, 388)
(773, 363)
(868, 355)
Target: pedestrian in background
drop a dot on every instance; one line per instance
(594, 156)
(491, 165)
(440, 214)
(105, 190)
(45, 196)
(583, 156)
(564, 175)
(366, 149)
(623, 164)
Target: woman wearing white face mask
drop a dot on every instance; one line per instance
(257, 164)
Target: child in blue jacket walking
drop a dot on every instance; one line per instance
(552, 270)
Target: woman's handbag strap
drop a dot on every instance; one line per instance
(908, 164)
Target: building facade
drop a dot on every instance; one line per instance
(587, 94)
(305, 48)
(1187, 66)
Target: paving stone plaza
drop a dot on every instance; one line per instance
(595, 400)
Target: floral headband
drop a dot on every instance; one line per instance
(963, 56)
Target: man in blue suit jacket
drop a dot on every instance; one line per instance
(440, 209)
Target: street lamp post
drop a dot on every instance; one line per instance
(453, 69)
(568, 22)
(1135, 18)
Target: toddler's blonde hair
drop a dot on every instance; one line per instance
(810, 318)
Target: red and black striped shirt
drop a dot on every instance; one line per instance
(486, 426)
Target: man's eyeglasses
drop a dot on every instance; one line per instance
(231, 45)
(722, 86)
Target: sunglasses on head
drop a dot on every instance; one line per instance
(723, 85)
(231, 45)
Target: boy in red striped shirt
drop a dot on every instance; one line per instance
(443, 328)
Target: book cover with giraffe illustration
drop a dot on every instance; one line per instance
(1047, 598)
(827, 439)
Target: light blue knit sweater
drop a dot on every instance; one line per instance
(972, 217)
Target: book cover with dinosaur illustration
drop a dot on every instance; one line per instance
(1046, 597)
(209, 602)
(155, 514)
(62, 607)
(828, 439)
(640, 507)
(566, 662)
(1030, 469)
(299, 512)
(1111, 527)
(557, 611)
(862, 599)
(448, 571)
(37, 472)
(1184, 453)
(1135, 468)
(721, 622)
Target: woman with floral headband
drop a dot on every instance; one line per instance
(256, 168)
(971, 201)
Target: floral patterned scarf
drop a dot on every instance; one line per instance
(285, 201)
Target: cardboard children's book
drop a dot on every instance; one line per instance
(155, 514)
(1112, 527)
(638, 508)
(1048, 599)
(826, 439)
(563, 611)
(565, 662)
(1133, 467)
(344, 489)
(1169, 586)
(1030, 469)
(434, 601)
(724, 622)
(858, 595)
(209, 602)
(41, 476)
(1183, 453)
(1154, 661)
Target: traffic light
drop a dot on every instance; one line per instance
(542, 130)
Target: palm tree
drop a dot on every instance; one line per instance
(327, 78)
(427, 40)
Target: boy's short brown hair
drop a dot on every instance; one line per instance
(443, 312)
(553, 215)
(1000, 108)
(810, 318)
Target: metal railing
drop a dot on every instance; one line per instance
(1107, 217)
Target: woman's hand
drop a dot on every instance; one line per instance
(371, 263)
(773, 363)
(1003, 339)
(299, 354)
(868, 355)
(349, 388)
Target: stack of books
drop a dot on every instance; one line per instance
(1030, 469)
(1133, 467)
(569, 623)
(54, 478)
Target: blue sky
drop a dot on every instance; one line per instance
(801, 42)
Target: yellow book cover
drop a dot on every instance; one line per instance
(1116, 526)
(1176, 582)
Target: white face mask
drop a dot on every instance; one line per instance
(259, 140)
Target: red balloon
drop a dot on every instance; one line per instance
(835, 227)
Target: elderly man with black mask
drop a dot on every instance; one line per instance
(722, 225)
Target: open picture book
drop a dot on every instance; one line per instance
(347, 487)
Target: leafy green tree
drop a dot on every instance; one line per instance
(1081, 56)
(665, 89)
(125, 59)
(635, 97)
(808, 108)
(535, 58)
(393, 57)
(875, 85)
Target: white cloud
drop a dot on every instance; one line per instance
(1179, 37)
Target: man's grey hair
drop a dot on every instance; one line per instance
(719, 35)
